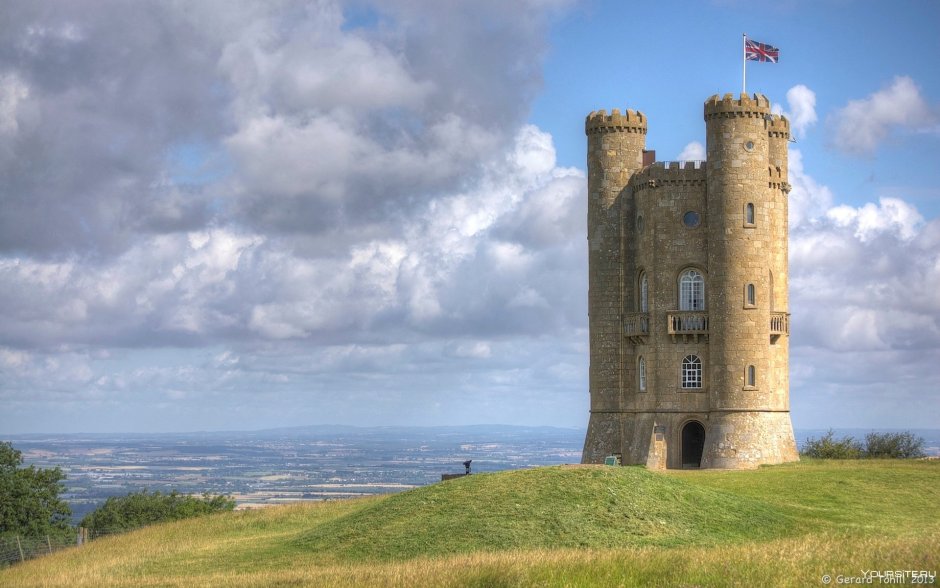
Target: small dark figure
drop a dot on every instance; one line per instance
(466, 464)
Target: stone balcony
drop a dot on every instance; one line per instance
(687, 324)
(690, 325)
(779, 325)
(636, 326)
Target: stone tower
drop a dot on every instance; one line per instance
(689, 328)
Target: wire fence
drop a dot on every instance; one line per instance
(17, 548)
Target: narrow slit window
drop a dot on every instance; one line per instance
(751, 295)
(751, 376)
(644, 293)
(642, 374)
(749, 213)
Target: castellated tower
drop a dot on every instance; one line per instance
(689, 328)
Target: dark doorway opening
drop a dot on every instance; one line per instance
(693, 442)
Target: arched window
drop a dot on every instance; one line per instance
(691, 290)
(641, 371)
(644, 293)
(749, 214)
(750, 295)
(751, 380)
(691, 372)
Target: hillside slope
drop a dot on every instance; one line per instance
(561, 526)
(546, 508)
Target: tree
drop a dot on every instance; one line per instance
(894, 445)
(29, 498)
(877, 445)
(137, 509)
(829, 448)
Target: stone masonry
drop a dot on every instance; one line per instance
(687, 298)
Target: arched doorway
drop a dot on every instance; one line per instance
(693, 442)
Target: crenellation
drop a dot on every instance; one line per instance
(600, 122)
(778, 126)
(744, 106)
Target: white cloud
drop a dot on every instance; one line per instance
(802, 113)
(890, 215)
(802, 109)
(13, 92)
(471, 258)
(863, 295)
(861, 125)
(694, 151)
(807, 199)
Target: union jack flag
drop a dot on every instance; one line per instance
(754, 51)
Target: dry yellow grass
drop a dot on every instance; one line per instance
(792, 562)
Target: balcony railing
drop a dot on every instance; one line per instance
(779, 325)
(687, 324)
(636, 326)
(690, 324)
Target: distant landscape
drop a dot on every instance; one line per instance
(277, 466)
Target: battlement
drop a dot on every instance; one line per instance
(778, 126)
(631, 121)
(670, 173)
(729, 106)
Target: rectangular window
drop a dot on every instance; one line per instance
(691, 372)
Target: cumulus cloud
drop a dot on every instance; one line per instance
(323, 122)
(802, 109)
(863, 283)
(13, 94)
(293, 197)
(861, 125)
(808, 199)
(694, 151)
(470, 269)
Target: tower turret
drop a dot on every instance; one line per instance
(747, 255)
(615, 152)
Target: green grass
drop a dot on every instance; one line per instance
(546, 508)
(782, 525)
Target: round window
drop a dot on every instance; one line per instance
(749, 146)
(691, 219)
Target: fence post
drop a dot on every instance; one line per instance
(20, 546)
(49, 543)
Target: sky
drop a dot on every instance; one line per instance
(234, 215)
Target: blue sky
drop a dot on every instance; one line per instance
(239, 215)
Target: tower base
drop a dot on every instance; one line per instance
(674, 440)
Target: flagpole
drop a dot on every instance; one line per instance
(744, 65)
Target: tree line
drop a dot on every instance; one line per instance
(903, 445)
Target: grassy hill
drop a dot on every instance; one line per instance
(565, 526)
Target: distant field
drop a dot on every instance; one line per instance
(557, 526)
